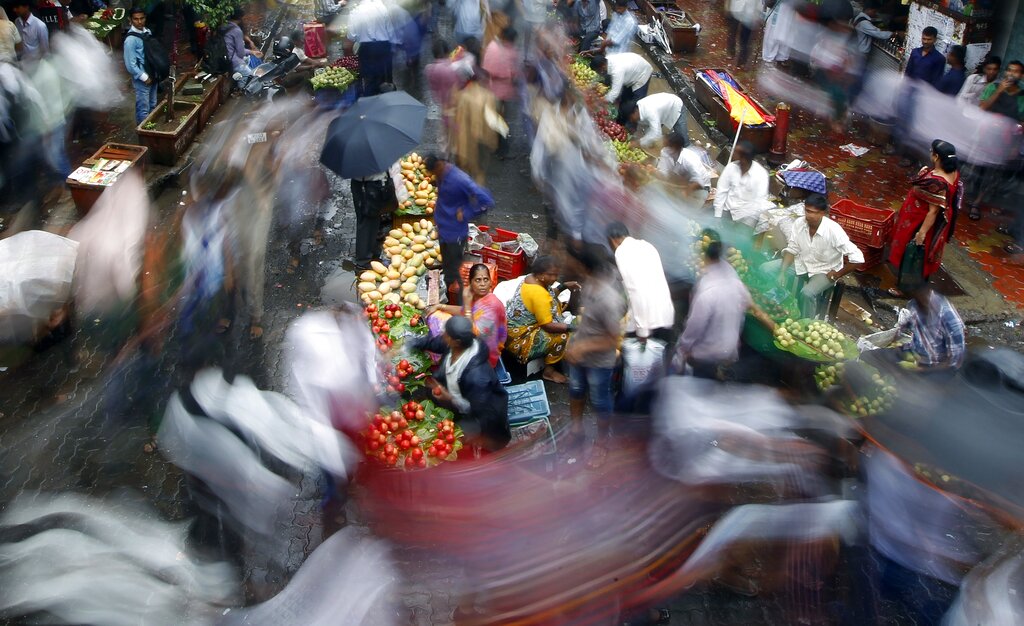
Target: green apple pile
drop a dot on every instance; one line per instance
(879, 397)
(819, 335)
(827, 375)
(736, 260)
(627, 153)
(582, 74)
(333, 78)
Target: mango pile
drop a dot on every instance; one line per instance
(413, 249)
(420, 185)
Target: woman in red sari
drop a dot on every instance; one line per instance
(929, 212)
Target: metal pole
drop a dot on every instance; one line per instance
(736, 140)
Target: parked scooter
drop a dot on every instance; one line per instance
(264, 82)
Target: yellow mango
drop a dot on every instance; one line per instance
(416, 261)
(390, 242)
(405, 241)
(409, 271)
(408, 287)
(393, 298)
(396, 234)
(384, 288)
(407, 227)
(419, 239)
(366, 286)
(368, 277)
(395, 283)
(378, 267)
(407, 254)
(421, 202)
(418, 247)
(393, 274)
(393, 250)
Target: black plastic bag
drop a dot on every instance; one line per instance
(911, 273)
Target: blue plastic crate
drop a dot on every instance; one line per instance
(527, 402)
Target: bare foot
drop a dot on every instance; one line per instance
(554, 376)
(293, 264)
(255, 330)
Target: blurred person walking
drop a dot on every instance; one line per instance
(10, 39)
(503, 66)
(681, 157)
(743, 187)
(55, 105)
(711, 336)
(1004, 98)
(984, 75)
(591, 351)
(778, 31)
(742, 18)
(473, 138)
(459, 201)
(926, 220)
(469, 19)
(867, 32)
(622, 28)
(819, 251)
(35, 38)
(135, 62)
(443, 80)
(926, 65)
(371, 27)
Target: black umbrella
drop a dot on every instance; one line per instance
(373, 134)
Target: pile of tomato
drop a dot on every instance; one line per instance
(412, 437)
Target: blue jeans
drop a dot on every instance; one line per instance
(56, 155)
(145, 99)
(596, 380)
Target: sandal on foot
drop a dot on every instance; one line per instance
(255, 331)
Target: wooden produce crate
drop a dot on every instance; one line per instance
(681, 30)
(759, 136)
(166, 146)
(85, 195)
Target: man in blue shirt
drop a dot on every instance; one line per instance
(926, 63)
(953, 80)
(588, 16)
(621, 29)
(134, 62)
(459, 201)
(35, 39)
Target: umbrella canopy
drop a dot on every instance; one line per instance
(373, 134)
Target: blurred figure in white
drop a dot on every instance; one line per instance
(742, 17)
(370, 26)
(743, 187)
(111, 241)
(651, 313)
(778, 31)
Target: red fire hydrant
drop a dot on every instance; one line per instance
(777, 155)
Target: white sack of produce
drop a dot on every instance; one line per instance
(36, 271)
(111, 242)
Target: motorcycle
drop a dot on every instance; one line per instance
(265, 81)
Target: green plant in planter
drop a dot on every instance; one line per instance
(214, 13)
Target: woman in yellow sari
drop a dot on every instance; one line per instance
(532, 313)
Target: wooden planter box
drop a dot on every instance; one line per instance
(86, 195)
(166, 147)
(759, 136)
(208, 101)
(682, 32)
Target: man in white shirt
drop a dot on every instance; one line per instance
(819, 251)
(681, 158)
(629, 75)
(651, 313)
(35, 39)
(469, 20)
(743, 187)
(370, 25)
(651, 113)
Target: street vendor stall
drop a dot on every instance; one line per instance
(728, 102)
(101, 170)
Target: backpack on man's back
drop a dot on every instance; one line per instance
(215, 55)
(155, 59)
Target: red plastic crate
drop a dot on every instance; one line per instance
(510, 264)
(866, 226)
(872, 257)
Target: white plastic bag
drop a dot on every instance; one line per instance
(643, 363)
(884, 338)
(36, 272)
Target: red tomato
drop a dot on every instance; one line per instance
(421, 463)
(414, 440)
(374, 445)
(389, 315)
(401, 388)
(381, 438)
(388, 449)
(437, 392)
(386, 328)
(403, 444)
(403, 364)
(417, 453)
(420, 414)
(395, 415)
(372, 308)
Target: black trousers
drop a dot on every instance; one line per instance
(375, 65)
(452, 253)
(738, 30)
(370, 199)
